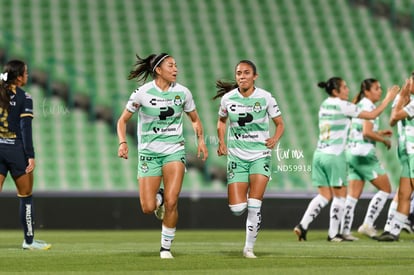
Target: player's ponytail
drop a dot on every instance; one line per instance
(11, 71)
(145, 67)
(333, 83)
(366, 85)
(224, 87)
(4, 96)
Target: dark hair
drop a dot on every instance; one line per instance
(146, 66)
(225, 86)
(366, 85)
(12, 70)
(333, 83)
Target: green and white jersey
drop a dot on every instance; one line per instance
(160, 117)
(248, 122)
(406, 128)
(357, 144)
(334, 121)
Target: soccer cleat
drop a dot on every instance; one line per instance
(367, 230)
(387, 237)
(349, 238)
(300, 232)
(248, 253)
(337, 239)
(36, 245)
(160, 211)
(166, 254)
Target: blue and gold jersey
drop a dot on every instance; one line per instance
(21, 105)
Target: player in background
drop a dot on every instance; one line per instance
(248, 146)
(160, 105)
(329, 162)
(363, 164)
(17, 154)
(402, 115)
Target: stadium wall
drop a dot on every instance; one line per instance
(91, 212)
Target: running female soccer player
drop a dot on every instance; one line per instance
(160, 105)
(248, 148)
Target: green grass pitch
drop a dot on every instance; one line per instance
(202, 252)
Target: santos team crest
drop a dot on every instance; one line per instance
(177, 100)
(257, 108)
(144, 167)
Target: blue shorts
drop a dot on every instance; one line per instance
(13, 159)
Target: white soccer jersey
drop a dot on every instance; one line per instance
(160, 117)
(357, 144)
(406, 127)
(248, 122)
(334, 121)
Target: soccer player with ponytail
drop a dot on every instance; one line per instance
(160, 105)
(363, 162)
(329, 170)
(249, 144)
(16, 144)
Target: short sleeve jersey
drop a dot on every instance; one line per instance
(160, 117)
(334, 122)
(248, 122)
(357, 144)
(406, 128)
(21, 105)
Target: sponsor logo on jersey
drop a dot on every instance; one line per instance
(240, 136)
(244, 118)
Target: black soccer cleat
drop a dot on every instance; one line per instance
(387, 237)
(300, 232)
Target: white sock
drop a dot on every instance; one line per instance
(375, 207)
(313, 210)
(167, 237)
(253, 221)
(348, 216)
(391, 213)
(397, 223)
(335, 215)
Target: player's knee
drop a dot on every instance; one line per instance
(238, 209)
(170, 205)
(148, 208)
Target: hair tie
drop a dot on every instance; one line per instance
(3, 76)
